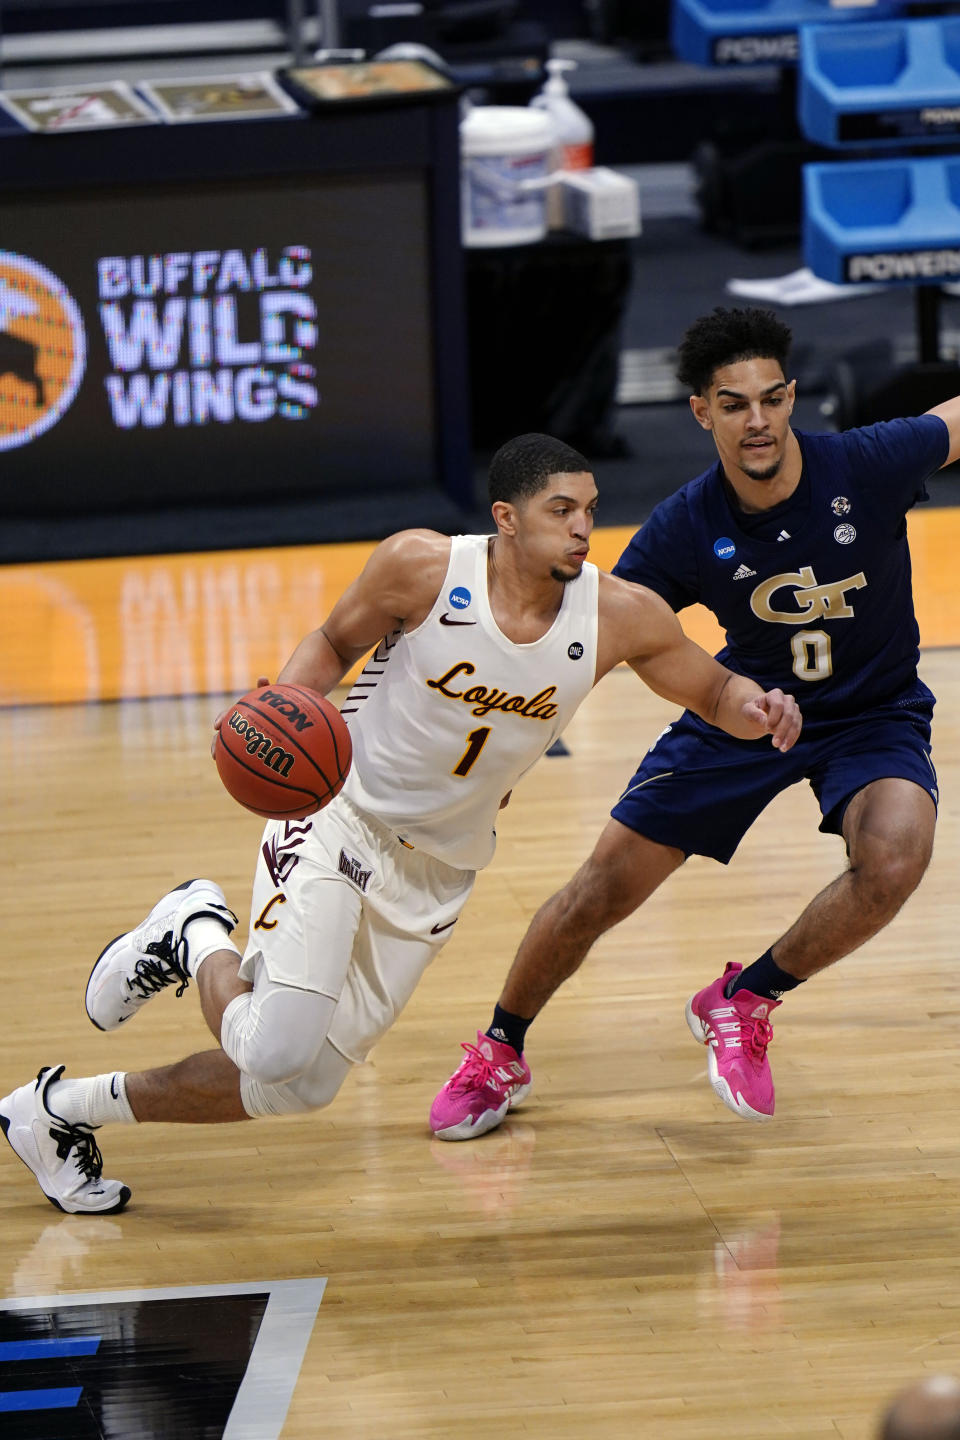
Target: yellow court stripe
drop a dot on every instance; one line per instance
(211, 623)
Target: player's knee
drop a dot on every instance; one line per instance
(316, 1089)
(277, 1035)
(279, 1062)
(600, 895)
(259, 1099)
(313, 1089)
(889, 876)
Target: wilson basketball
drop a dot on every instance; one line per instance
(283, 751)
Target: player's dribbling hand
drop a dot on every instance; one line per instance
(263, 680)
(778, 716)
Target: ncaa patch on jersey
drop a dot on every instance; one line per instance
(724, 548)
(460, 597)
(42, 349)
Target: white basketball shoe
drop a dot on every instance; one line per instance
(65, 1158)
(135, 966)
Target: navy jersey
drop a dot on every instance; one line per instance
(818, 589)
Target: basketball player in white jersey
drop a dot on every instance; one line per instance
(485, 646)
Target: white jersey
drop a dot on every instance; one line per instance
(446, 719)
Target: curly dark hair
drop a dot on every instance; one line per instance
(523, 466)
(726, 336)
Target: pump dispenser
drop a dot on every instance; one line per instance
(574, 129)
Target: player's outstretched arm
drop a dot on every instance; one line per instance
(396, 587)
(638, 626)
(949, 413)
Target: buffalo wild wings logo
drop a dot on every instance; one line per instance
(42, 349)
(208, 335)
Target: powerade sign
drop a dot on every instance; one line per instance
(904, 265)
(906, 123)
(781, 49)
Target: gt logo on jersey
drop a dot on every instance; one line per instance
(42, 349)
(812, 601)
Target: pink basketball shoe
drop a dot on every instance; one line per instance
(736, 1032)
(488, 1082)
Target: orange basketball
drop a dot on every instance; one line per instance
(283, 751)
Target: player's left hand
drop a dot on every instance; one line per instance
(263, 680)
(776, 715)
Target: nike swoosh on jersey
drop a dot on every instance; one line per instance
(435, 929)
(446, 620)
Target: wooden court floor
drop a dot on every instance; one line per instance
(624, 1257)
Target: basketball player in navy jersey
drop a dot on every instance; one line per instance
(485, 646)
(797, 543)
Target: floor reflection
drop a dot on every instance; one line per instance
(492, 1170)
(744, 1281)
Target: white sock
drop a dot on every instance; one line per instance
(96, 1100)
(205, 936)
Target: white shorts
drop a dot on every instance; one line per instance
(342, 907)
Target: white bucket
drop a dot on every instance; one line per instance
(505, 153)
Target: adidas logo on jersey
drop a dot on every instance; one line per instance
(743, 573)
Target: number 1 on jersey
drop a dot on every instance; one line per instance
(477, 738)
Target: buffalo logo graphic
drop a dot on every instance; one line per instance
(42, 350)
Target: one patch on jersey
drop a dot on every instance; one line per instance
(350, 866)
(840, 505)
(575, 651)
(743, 573)
(724, 548)
(844, 534)
(460, 597)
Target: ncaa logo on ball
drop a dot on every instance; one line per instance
(42, 349)
(724, 548)
(460, 597)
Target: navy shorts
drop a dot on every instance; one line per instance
(699, 790)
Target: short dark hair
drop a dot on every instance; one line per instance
(726, 336)
(523, 466)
